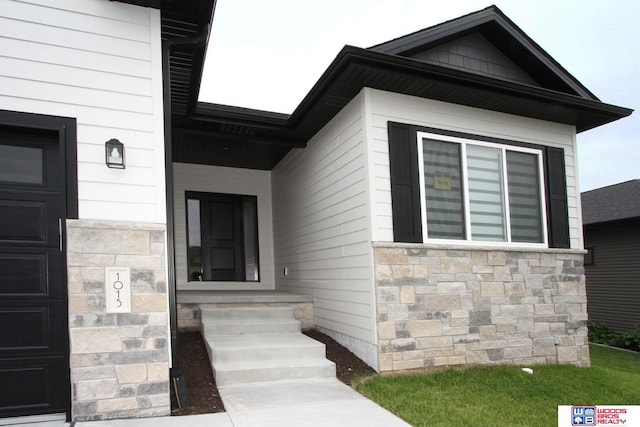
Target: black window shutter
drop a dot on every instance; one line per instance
(556, 185)
(405, 191)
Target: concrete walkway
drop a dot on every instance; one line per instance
(296, 403)
(310, 402)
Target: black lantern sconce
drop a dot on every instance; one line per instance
(114, 152)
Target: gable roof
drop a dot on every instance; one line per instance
(617, 202)
(238, 137)
(502, 33)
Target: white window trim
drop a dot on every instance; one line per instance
(463, 142)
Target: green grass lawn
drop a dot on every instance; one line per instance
(504, 395)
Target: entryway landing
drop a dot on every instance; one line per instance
(190, 302)
(240, 297)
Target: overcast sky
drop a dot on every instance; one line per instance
(268, 54)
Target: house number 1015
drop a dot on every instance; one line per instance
(118, 289)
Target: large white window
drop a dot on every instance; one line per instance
(479, 191)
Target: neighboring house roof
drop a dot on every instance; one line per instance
(619, 202)
(522, 79)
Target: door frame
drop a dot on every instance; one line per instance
(65, 128)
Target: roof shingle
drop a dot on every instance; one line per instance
(612, 203)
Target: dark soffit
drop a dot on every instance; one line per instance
(356, 68)
(186, 26)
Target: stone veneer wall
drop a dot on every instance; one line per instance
(119, 362)
(444, 307)
(189, 313)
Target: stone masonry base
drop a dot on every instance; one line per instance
(119, 361)
(189, 313)
(450, 307)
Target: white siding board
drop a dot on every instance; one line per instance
(294, 256)
(352, 325)
(322, 226)
(78, 78)
(324, 292)
(136, 159)
(189, 177)
(78, 40)
(142, 176)
(323, 257)
(325, 249)
(79, 21)
(97, 209)
(349, 172)
(127, 193)
(118, 12)
(387, 107)
(334, 217)
(40, 53)
(99, 62)
(336, 236)
(79, 96)
(339, 306)
(94, 116)
(337, 264)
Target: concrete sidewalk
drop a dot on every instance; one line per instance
(310, 402)
(296, 403)
(204, 420)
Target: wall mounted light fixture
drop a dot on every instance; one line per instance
(114, 152)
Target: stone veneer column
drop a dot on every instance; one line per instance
(442, 307)
(119, 362)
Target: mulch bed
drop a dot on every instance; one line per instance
(201, 389)
(195, 368)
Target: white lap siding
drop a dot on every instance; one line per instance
(322, 229)
(99, 62)
(386, 106)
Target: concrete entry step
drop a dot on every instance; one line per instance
(251, 313)
(272, 370)
(250, 327)
(232, 348)
(257, 344)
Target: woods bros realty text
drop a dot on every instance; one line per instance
(592, 415)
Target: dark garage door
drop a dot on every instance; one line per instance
(34, 345)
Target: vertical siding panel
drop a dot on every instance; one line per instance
(322, 227)
(99, 62)
(613, 289)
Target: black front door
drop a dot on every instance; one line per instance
(34, 344)
(222, 244)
